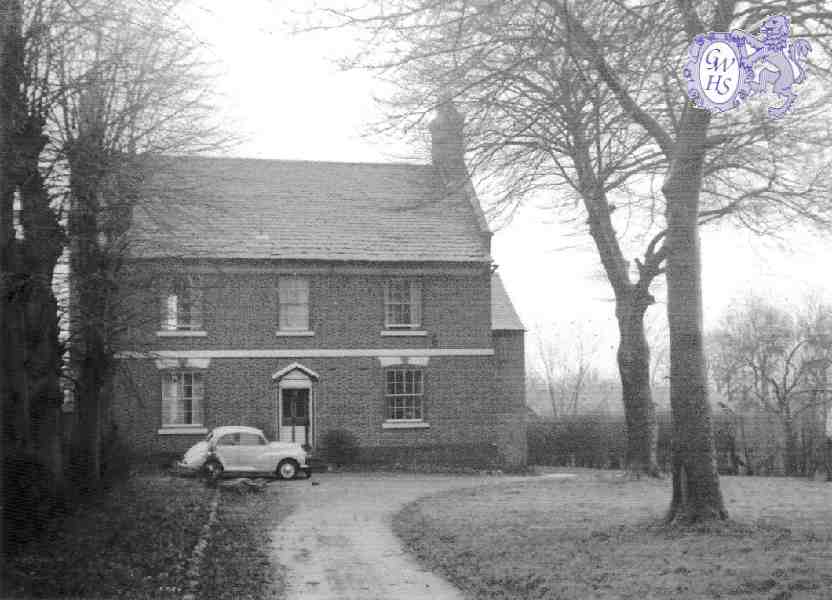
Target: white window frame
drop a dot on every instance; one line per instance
(284, 300)
(396, 402)
(172, 317)
(197, 399)
(400, 293)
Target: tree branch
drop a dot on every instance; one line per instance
(588, 44)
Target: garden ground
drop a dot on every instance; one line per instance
(600, 536)
(596, 535)
(135, 541)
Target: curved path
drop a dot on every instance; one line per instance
(339, 542)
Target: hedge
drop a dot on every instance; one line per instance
(600, 442)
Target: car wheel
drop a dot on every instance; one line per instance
(213, 470)
(287, 469)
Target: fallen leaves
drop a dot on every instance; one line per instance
(133, 542)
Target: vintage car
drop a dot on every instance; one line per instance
(244, 450)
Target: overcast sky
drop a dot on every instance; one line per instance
(287, 97)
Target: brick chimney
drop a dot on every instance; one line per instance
(448, 156)
(448, 144)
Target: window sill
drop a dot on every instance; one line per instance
(294, 333)
(186, 430)
(181, 333)
(404, 332)
(405, 425)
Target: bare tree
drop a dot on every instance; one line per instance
(564, 96)
(34, 240)
(766, 359)
(10, 32)
(96, 91)
(547, 372)
(566, 368)
(815, 324)
(133, 88)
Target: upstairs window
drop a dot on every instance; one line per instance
(182, 398)
(293, 304)
(403, 304)
(405, 395)
(182, 306)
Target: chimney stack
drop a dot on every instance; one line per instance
(448, 157)
(448, 143)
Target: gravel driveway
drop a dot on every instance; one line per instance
(339, 543)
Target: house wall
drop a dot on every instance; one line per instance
(460, 407)
(473, 403)
(346, 309)
(510, 393)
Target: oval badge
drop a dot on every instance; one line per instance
(717, 71)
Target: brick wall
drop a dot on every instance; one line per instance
(510, 393)
(473, 402)
(459, 404)
(346, 310)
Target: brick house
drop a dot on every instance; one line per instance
(303, 297)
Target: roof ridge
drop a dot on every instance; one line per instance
(300, 161)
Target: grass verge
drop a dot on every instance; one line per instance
(236, 564)
(600, 537)
(132, 542)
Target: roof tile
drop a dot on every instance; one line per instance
(231, 208)
(503, 315)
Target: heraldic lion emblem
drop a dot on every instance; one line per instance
(778, 54)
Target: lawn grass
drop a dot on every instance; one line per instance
(236, 565)
(598, 536)
(132, 542)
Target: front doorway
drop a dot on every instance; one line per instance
(294, 406)
(294, 416)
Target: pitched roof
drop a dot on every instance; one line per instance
(232, 208)
(503, 315)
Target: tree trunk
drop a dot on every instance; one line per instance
(31, 354)
(88, 437)
(8, 88)
(631, 301)
(789, 445)
(634, 369)
(40, 249)
(553, 400)
(89, 288)
(43, 353)
(745, 466)
(696, 492)
(827, 457)
(89, 360)
(15, 407)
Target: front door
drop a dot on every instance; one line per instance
(294, 415)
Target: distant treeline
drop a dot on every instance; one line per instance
(745, 445)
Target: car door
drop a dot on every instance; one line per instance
(228, 451)
(252, 455)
